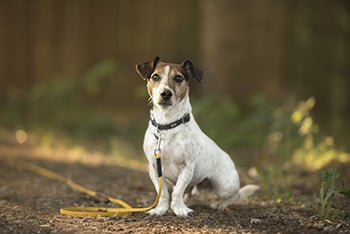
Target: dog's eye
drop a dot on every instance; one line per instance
(178, 79)
(155, 77)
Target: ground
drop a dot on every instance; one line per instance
(30, 203)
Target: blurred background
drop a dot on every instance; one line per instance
(274, 92)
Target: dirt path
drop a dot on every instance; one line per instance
(30, 204)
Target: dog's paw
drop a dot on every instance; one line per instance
(158, 211)
(183, 211)
(218, 205)
(214, 205)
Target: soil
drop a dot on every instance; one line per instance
(30, 203)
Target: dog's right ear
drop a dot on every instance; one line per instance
(191, 71)
(146, 69)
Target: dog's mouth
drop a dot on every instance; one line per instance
(160, 103)
(165, 103)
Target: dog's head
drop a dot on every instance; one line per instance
(167, 83)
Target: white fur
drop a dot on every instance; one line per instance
(188, 157)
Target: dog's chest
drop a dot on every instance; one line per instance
(178, 148)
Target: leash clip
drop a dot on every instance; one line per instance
(159, 138)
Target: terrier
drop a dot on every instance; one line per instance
(189, 156)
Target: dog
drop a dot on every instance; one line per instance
(189, 156)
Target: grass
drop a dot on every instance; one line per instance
(327, 191)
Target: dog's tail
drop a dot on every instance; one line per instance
(246, 191)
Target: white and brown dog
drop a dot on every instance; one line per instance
(188, 155)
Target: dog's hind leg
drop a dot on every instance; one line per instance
(226, 187)
(224, 202)
(227, 199)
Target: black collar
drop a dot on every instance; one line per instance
(174, 124)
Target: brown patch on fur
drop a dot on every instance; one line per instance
(180, 90)
(149, 88)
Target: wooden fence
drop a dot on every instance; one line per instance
(278, 48)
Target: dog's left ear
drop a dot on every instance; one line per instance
(191, 71)
(146, 69)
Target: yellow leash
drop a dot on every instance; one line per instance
(97, 211)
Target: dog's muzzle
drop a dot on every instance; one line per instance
(165, 97)
(166, 94)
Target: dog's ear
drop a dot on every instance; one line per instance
(191, 71)
(146, 69)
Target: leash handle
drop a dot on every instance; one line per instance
(159, 163)
(100, 211)
(93, 211)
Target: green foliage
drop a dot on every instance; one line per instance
(63, 107)
(346, 193)
(316, 151)
(327, 191)
(269, 177)
(96, 75)
(230, 126)
(285, 136)
(218, 117)
(261, 125)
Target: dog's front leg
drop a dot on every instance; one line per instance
(163, 203)
(183, 180)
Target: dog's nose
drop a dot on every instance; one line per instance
(166, 94)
